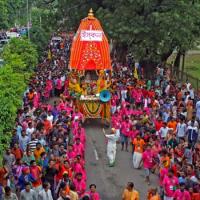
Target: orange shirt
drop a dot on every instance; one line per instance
(47, 126)
(37, 153)
(3, 180)
(133, 195)
(17, 153)
(30, 95)
(36, 173)
(67, 190)
(155, 197)
(166, 159)
(138, 145)
(172, 124)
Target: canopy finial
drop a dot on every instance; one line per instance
(90, 14)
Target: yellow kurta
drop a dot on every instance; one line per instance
(130, 195)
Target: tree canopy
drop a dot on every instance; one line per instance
(3, 15)
(21, 54)
(39, 37)
(150, 29)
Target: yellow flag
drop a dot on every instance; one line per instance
(135, 73)
(49, 55)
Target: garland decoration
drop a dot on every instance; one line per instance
(92, 109)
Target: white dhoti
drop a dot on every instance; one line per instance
(112, 146)
(111, 152)
(137, 157)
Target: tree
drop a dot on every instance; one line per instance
(16, 11)
(39, 37)
(3, 15)
(66, 14)
(12, 86)
(21, 57)
(151, 29)
(21, 54)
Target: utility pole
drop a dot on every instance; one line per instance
(27, 7)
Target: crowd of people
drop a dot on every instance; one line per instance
(46, 157)
(160, 119)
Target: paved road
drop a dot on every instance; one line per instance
(110, 181)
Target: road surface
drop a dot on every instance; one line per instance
(110, 181)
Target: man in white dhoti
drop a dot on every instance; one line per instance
(112, 145)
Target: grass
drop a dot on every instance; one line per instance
(192, 68)
(192, 65)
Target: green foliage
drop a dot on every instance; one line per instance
(16, 11)
(3, 15)
(21, 57)
(12, 87)
(12, 12)
(21, 54)
(152, 29)
(66, 14)
(39, 37)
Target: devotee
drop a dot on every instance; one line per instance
(112, 146)
(181, 193)
(148, 161)
(93, 194)
(130, 193)
(170, 184)
(138, 144)
(198, 109)
(28, 193)
(125, 129)
(158, 111)
(153, 194)
(172, 124)
(72, 193)
(46, 147)
(79, 184)
(45, 193)
(9, 195)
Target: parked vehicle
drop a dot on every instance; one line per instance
(23, 31)
(12, 35)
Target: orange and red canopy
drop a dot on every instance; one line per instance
(90, 48)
